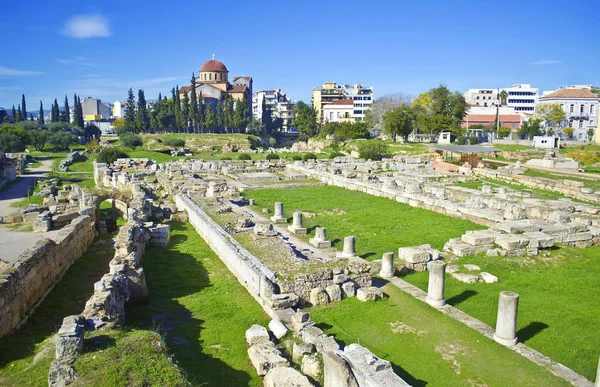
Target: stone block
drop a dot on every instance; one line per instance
(297, 230)
(480, 237)
(301, 320)
(513, 227)
(278, 328)
(369, 370)
(413, 255)
(326, 344)
(320, 244)
(488, 278)
(471, 267)
(283, 301)
(466, 278)
(318, 296)
(265, 357)
(512, 241)
(339, 279)
(370, 293)
(348, 289)
(311, 366)
(337, 372)
(299, 350)
(311, 335)
(256, 334)
(539, 239)
(286, 377)
(334, 292)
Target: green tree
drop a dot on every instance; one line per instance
(19, 114)
(568, 132)
(305, 119)
(193, 107)
(130, 109)
(399, 121)
(254, 127)
(267, 117)
(552, 113)
(23, 108)
(530, 128)
(61, 140)
(142, 120)
(277, 124)
(66, 115)
(219, 117)
(590, 134)
(372, 149)
(503, 97)
(210, 119)
(80, 109)
(439, 109)
(130, 140)
(13, 115)
(185, 112)
(238, 116)
(39, 139)
(55, 112)
(228, 116)
(41, 114)
(200, 118)
(503, 132)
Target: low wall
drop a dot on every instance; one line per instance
(38, 269)
(250, 272)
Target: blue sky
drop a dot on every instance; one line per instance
(51, 49)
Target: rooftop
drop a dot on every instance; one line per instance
(571, 93)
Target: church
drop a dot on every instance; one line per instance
(213, 83)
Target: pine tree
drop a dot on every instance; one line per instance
(245, 113)
(185, 112)
(228, 113)
(19, 114)
(41, 117)
(23, 108)
(130, 110)
(76, 112)
(177, 109)
(193, 105)
(200, 113)
(142, 120)
(80, 122)
(13, 116)
(266, 117)
(210, 119)
(238, 115)
(56, 112)
(66, 112)
(219, 118)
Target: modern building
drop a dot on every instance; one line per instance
(276, 100)
(213, 83)
(95, 107)
(338, 111)
(118, 110)
(330, 92)
(580, 106)
(522, 98)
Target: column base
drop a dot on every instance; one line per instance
(387, 274)
(278, 219)
(506, 342)
(320, 244)
(435, 303)
(297, 230)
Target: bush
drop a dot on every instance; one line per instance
(225, 158)
(302, 137)
(461, 140)
(333, 155)
(11, 143)
(244, 156)
(272, 156)
(93, 147)
(473, 140)
(175, 142)
(110, 155)
(374, 150)
(61, 140)
(296, 157)
(130, 140)
(309, 156)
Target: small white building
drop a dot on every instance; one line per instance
(546, 142)
(339, 111)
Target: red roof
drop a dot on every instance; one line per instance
(184, 89)
(492, 118)
(571, 93)
(343, 102)
(237, 89)
(213, 65)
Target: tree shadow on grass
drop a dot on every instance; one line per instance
(367, 255)
(67, 298)
(531, 330)
(171, 275)
(459, 298)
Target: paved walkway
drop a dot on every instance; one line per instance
(13, 243)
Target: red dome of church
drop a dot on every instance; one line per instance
(213, 65)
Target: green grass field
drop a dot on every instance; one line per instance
(589, 183)
(426, 347)
(202, 310)
(558, 305)
(379, 224)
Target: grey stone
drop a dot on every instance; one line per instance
(326, 343)
(471, 267)
(286, 377)
(340, 278)
(466, 278)
(334, 292)
(348, 289)
(301, 320)
(506, 322)
(283, 301)
(61, 372)
(318, 296)
(264, 357)
(257, 334)
(311, 366)
(488, 278)
(311, 335)
(370, 293)
(369, 370)
(278, 328)
(301, 349)
(337, 372)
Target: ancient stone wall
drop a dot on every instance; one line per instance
(38, 269)
(249, 271)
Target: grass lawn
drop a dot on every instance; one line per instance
(202, 310)
(537, 193)
(589, 183)
(427, 347)
(512, 147)
(558, 305)
(379, 224)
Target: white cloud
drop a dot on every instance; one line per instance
(87, 26)
(77, 60)
(6, 72)
(546, 62)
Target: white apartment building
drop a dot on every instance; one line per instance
(281, 106)
(330, 92)
(363, 99)
(580, 106)
(118, 110)
(521, 97)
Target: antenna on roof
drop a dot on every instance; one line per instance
(213, 57)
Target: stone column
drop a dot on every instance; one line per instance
(435, 287)
(348, 250)
(387, 265)
(278, 215)
(506, 324)
(296, 226)
(597, 384)
(320, 239)
(251, 202)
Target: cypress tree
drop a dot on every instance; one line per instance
(193, 108)
(228, 113)
(41, 117)
(80, 110)
(210, 119)
(238, 115)
(55, 111)
(19, 114)
(30, 116)
(172, 108)
(188, 119)
(67, 112)
(130, 110)
(200, 115)
(245, 113)
(177, 109)
(13, 116)
(266, 117)
(23, 108)
(76, 112)
(141, 119)
(219, 118)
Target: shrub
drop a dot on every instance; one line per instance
(175, 142)
(11, 143)
(224, 158)
(585, 156)
(374, 150)
(93, 147)
(333, 155)
(130, 140)
(244, 156)
(110, 154)
(272, 156)
(473, 140)
(61, 140)
(309, 156)
(296, 157)
(461, 140)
